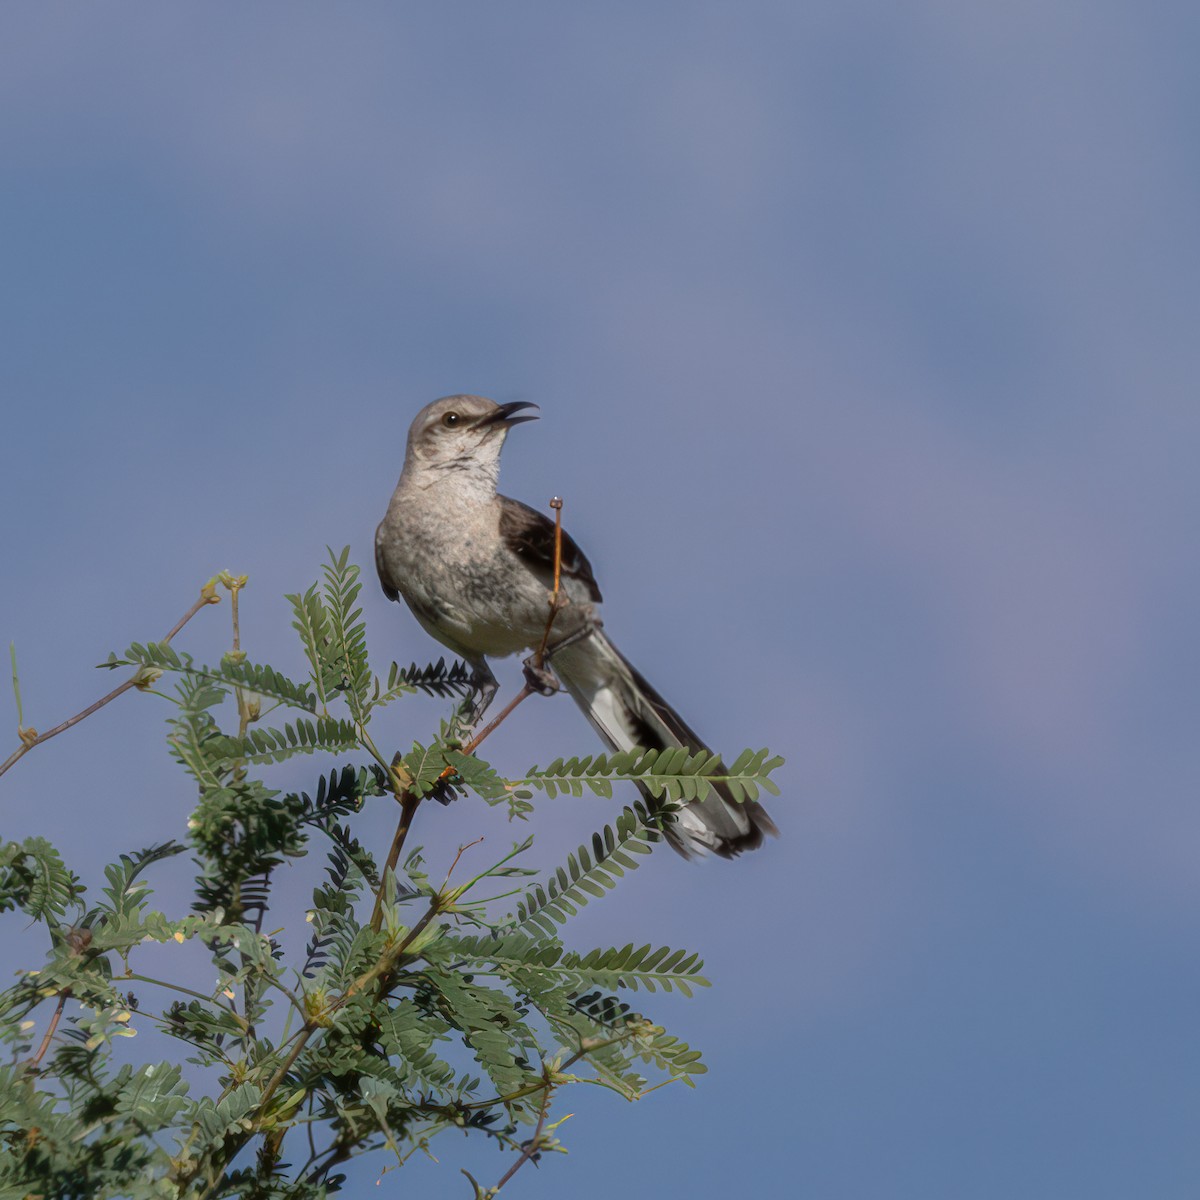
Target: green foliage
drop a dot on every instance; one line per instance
(34, 879)
(334, 635)
(155, 658)
(587, 875)
(390, 1010)
(434, 679)
(677, 775)
(303, 736)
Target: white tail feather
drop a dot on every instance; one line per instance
(628, 713)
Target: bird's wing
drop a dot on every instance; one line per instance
(385, 580)
(529, 534)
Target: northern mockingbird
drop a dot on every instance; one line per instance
(477, 569)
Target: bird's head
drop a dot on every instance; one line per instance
(463, 433)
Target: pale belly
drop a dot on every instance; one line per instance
(477, 606)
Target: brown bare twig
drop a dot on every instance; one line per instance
(461, 851)
(30, 737)
(556, 504)
(386, 964)
(534, 1144)
(495, 723)
(32, 1064)
(408, 808)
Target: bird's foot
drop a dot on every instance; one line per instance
(540, 678)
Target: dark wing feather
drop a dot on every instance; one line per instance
(385, 581)
(529, 534)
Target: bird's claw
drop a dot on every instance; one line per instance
(540, 678)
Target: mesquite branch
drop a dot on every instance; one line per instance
(31, 737)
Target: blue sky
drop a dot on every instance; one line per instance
(865, 341)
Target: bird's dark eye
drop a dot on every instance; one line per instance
(450, 420)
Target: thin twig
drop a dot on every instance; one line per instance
(233, 608)
(533, 1145)
(287, 991)
(45, 737)
(208, 595)
(496, 722)
(461, 851)
(31, 738)
(333, 1155)
(284, 1067)
(531, 1088)
(207, 997)
(386, 962)
(234, 584)
(409, 802)
(556, 504)
(312, 1141)
(12, 653)
(32, 1064)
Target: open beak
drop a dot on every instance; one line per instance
(505, 414)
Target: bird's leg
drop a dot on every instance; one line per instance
(538, 675)
(484, 686)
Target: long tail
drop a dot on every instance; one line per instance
(627, 712)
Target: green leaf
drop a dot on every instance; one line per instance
(34, 878)
(633, 968)
(124, 893)
(154, 1095)
(304, 736)
(435, 679)
(490, 1024)
(230, 674)
(615, 849)
(229, 1115)
(408, 1033)
(312, 624)
(346, 653)
(675, 774)
(476, 775)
